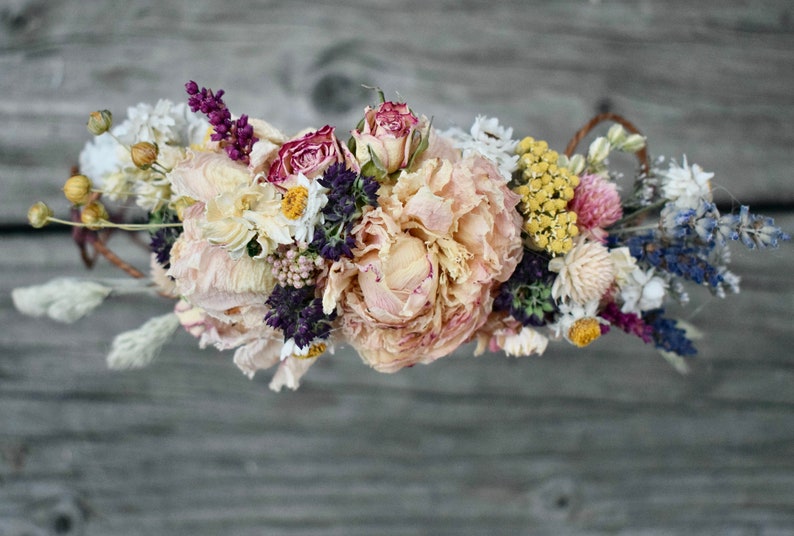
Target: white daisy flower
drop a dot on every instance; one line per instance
(578, 323)
(301, 207)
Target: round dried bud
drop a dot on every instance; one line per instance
(99, 122)
(77, 189)
(39, 215)
(144, 154)
(93, 214)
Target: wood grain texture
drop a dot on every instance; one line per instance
(709, 79)
(605, 441)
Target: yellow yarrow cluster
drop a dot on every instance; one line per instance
(545, 189)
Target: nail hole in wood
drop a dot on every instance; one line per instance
(562, 502)
(62, 524)
(604, 106)
(335, 93)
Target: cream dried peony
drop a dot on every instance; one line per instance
(426, 263)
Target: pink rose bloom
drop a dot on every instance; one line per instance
(427, 261)
(596, 202)
(311, 154)
(388, 131)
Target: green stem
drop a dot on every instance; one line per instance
(638, 213)
(104, 224)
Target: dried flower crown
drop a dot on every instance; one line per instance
(405, 242)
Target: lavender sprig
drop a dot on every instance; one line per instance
(667, 335)
(676, 257)
(236, 137)
(299, 314)
(754, 231)
(348, 194)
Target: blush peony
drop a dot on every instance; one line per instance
(426, 263)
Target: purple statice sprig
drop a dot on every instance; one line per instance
(527, 294)
(349, 192)
(631, 323)
(652, 327)
(298, 313)
(235, 136)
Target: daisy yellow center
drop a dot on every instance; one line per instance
(294, 203)
(584, 331)
(314, 351)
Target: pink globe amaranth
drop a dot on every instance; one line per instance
(427, 262)
(597, 205)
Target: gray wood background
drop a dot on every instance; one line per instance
(610, 440)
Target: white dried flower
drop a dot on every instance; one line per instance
(526, 342)
(62, 299)
(583, 274)
(598, 150)
(685, 185)
(138, 347)
(489, 139)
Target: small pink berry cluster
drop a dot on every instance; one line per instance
(295, 267)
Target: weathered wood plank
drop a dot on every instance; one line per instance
(709, 79)
(604, 441)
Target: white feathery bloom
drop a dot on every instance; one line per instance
(638, 290)
(171, 126)
(102, 157)
(489, 139)
(62, 299)
(153, 194)
(642, 291)
(685, 185)
(163, 123)
(138, 347)
(583, 274)
(526, 342)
